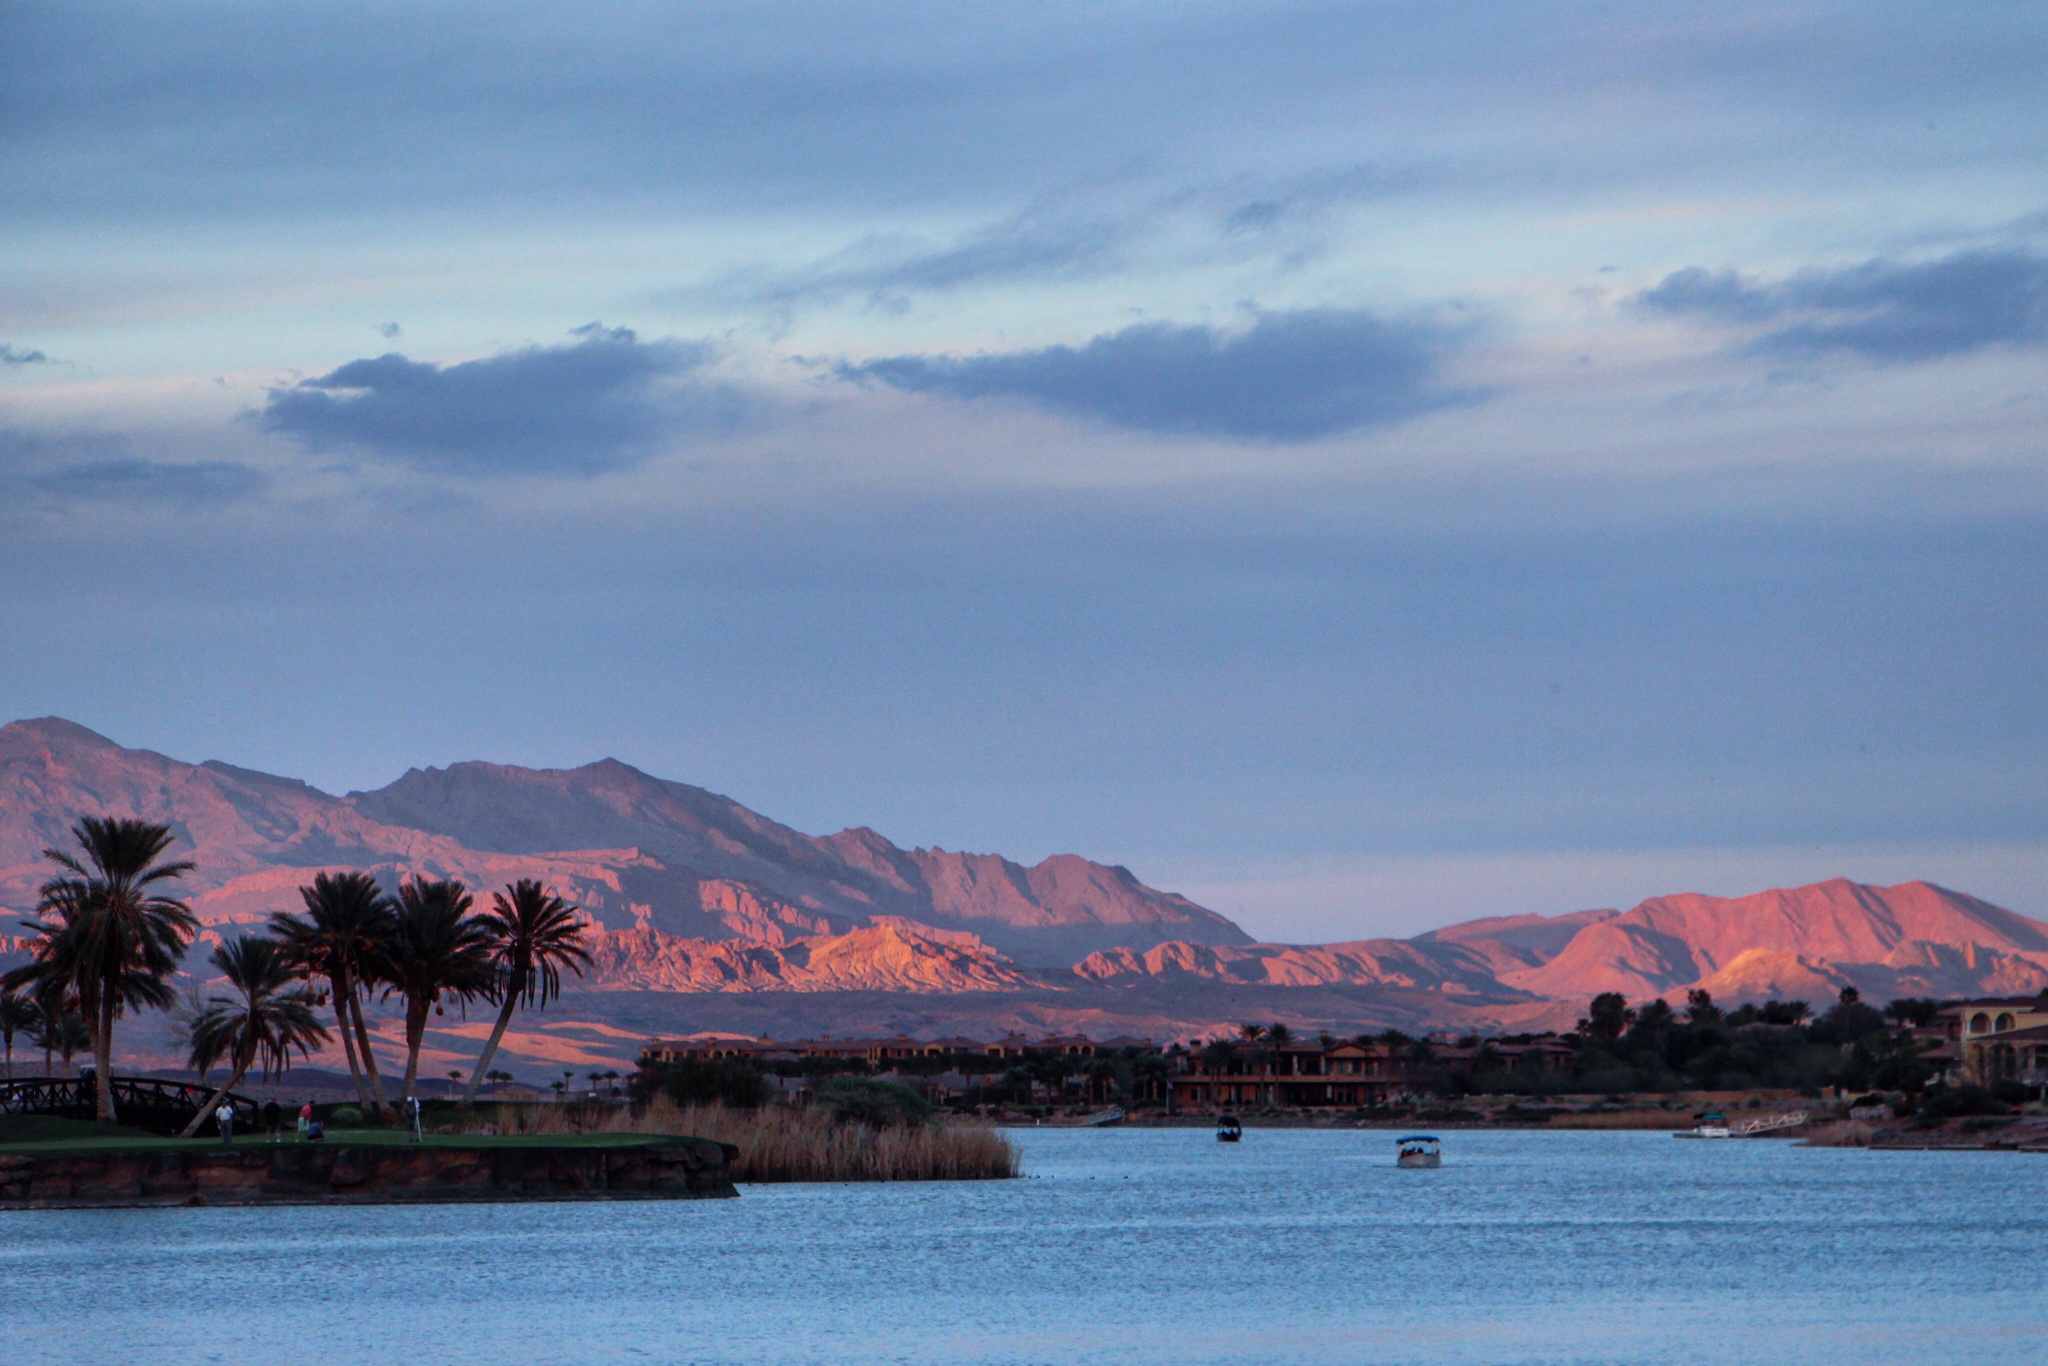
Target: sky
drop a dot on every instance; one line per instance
(1360, 465)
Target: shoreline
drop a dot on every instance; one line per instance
(170, 1173)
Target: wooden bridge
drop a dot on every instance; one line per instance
(159, 1107)
(1751, 1128)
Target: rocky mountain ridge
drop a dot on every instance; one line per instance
(633, 850)
(702, 912)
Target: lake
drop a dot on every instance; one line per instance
(1134, 1245)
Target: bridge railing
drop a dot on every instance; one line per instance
(147, 1103)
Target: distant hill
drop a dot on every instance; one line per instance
(634, 850)
(1915, 939)
(707, 915)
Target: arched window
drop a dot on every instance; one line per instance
(1980, 1023)
(2004, 1023)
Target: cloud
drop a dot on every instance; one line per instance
(71, 467)
(10, 355)
(1291, 376)
(596, 403)
(1074, 236)
(889, 269)
(133, 478)
(1880, 310)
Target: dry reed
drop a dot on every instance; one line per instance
(1853, 1133)
(798, 1145)
(1622, 1119)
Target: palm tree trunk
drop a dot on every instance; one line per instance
(244, 1056)
(415, 1035)
(355, 1005)
(476, 1078)
(344, 991)
(103, 1058)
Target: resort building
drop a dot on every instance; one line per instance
(1290, 1075)
(880, 1052)
(1999, 1038)
(1318, 1073)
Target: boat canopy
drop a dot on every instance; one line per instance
(1418, 1138)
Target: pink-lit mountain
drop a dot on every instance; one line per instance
(706, 915)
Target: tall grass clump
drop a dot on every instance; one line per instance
(1622, 1119)
(1851, 1133)
(815, 1145)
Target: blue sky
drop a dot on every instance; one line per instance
(1361, 464)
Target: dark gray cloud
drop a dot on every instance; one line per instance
(136, 479)
(1290, 376)
(13, 355)
(1881, 310)
(598, 402)
(72, 467)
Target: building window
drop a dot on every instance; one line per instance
(1980, 1023)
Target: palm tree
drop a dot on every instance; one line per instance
(434, 948)
(1152, 1074)
(347, 919)
(53, 1001)
(533, 935)
(268, 1016)
(18, 1015)
(70, 1037)
(105, 932)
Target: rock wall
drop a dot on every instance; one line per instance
(366, 1174)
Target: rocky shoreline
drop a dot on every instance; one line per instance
(364, 1174)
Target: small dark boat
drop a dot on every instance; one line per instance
(1228, 1130)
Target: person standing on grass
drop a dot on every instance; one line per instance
(225, 1117)
(305, 1120)
(273, 1120)
(412, 1118)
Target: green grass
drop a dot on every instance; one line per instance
(84, 1137)
(16, 1129)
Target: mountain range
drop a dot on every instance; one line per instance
(705, 915)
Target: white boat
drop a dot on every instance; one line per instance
(1419, 1150)
(1711, 1125)
(1103, 1118)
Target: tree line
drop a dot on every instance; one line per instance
(1652, 1047)
(108, 936)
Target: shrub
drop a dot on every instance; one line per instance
(2012, 1092)
(1953, 1102)
(346, 1117)
(724, 1081)
(883, 1104)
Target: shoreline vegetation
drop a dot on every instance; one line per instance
(784, 1145)
(774, 1145)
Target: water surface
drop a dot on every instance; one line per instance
(1144, 1246)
